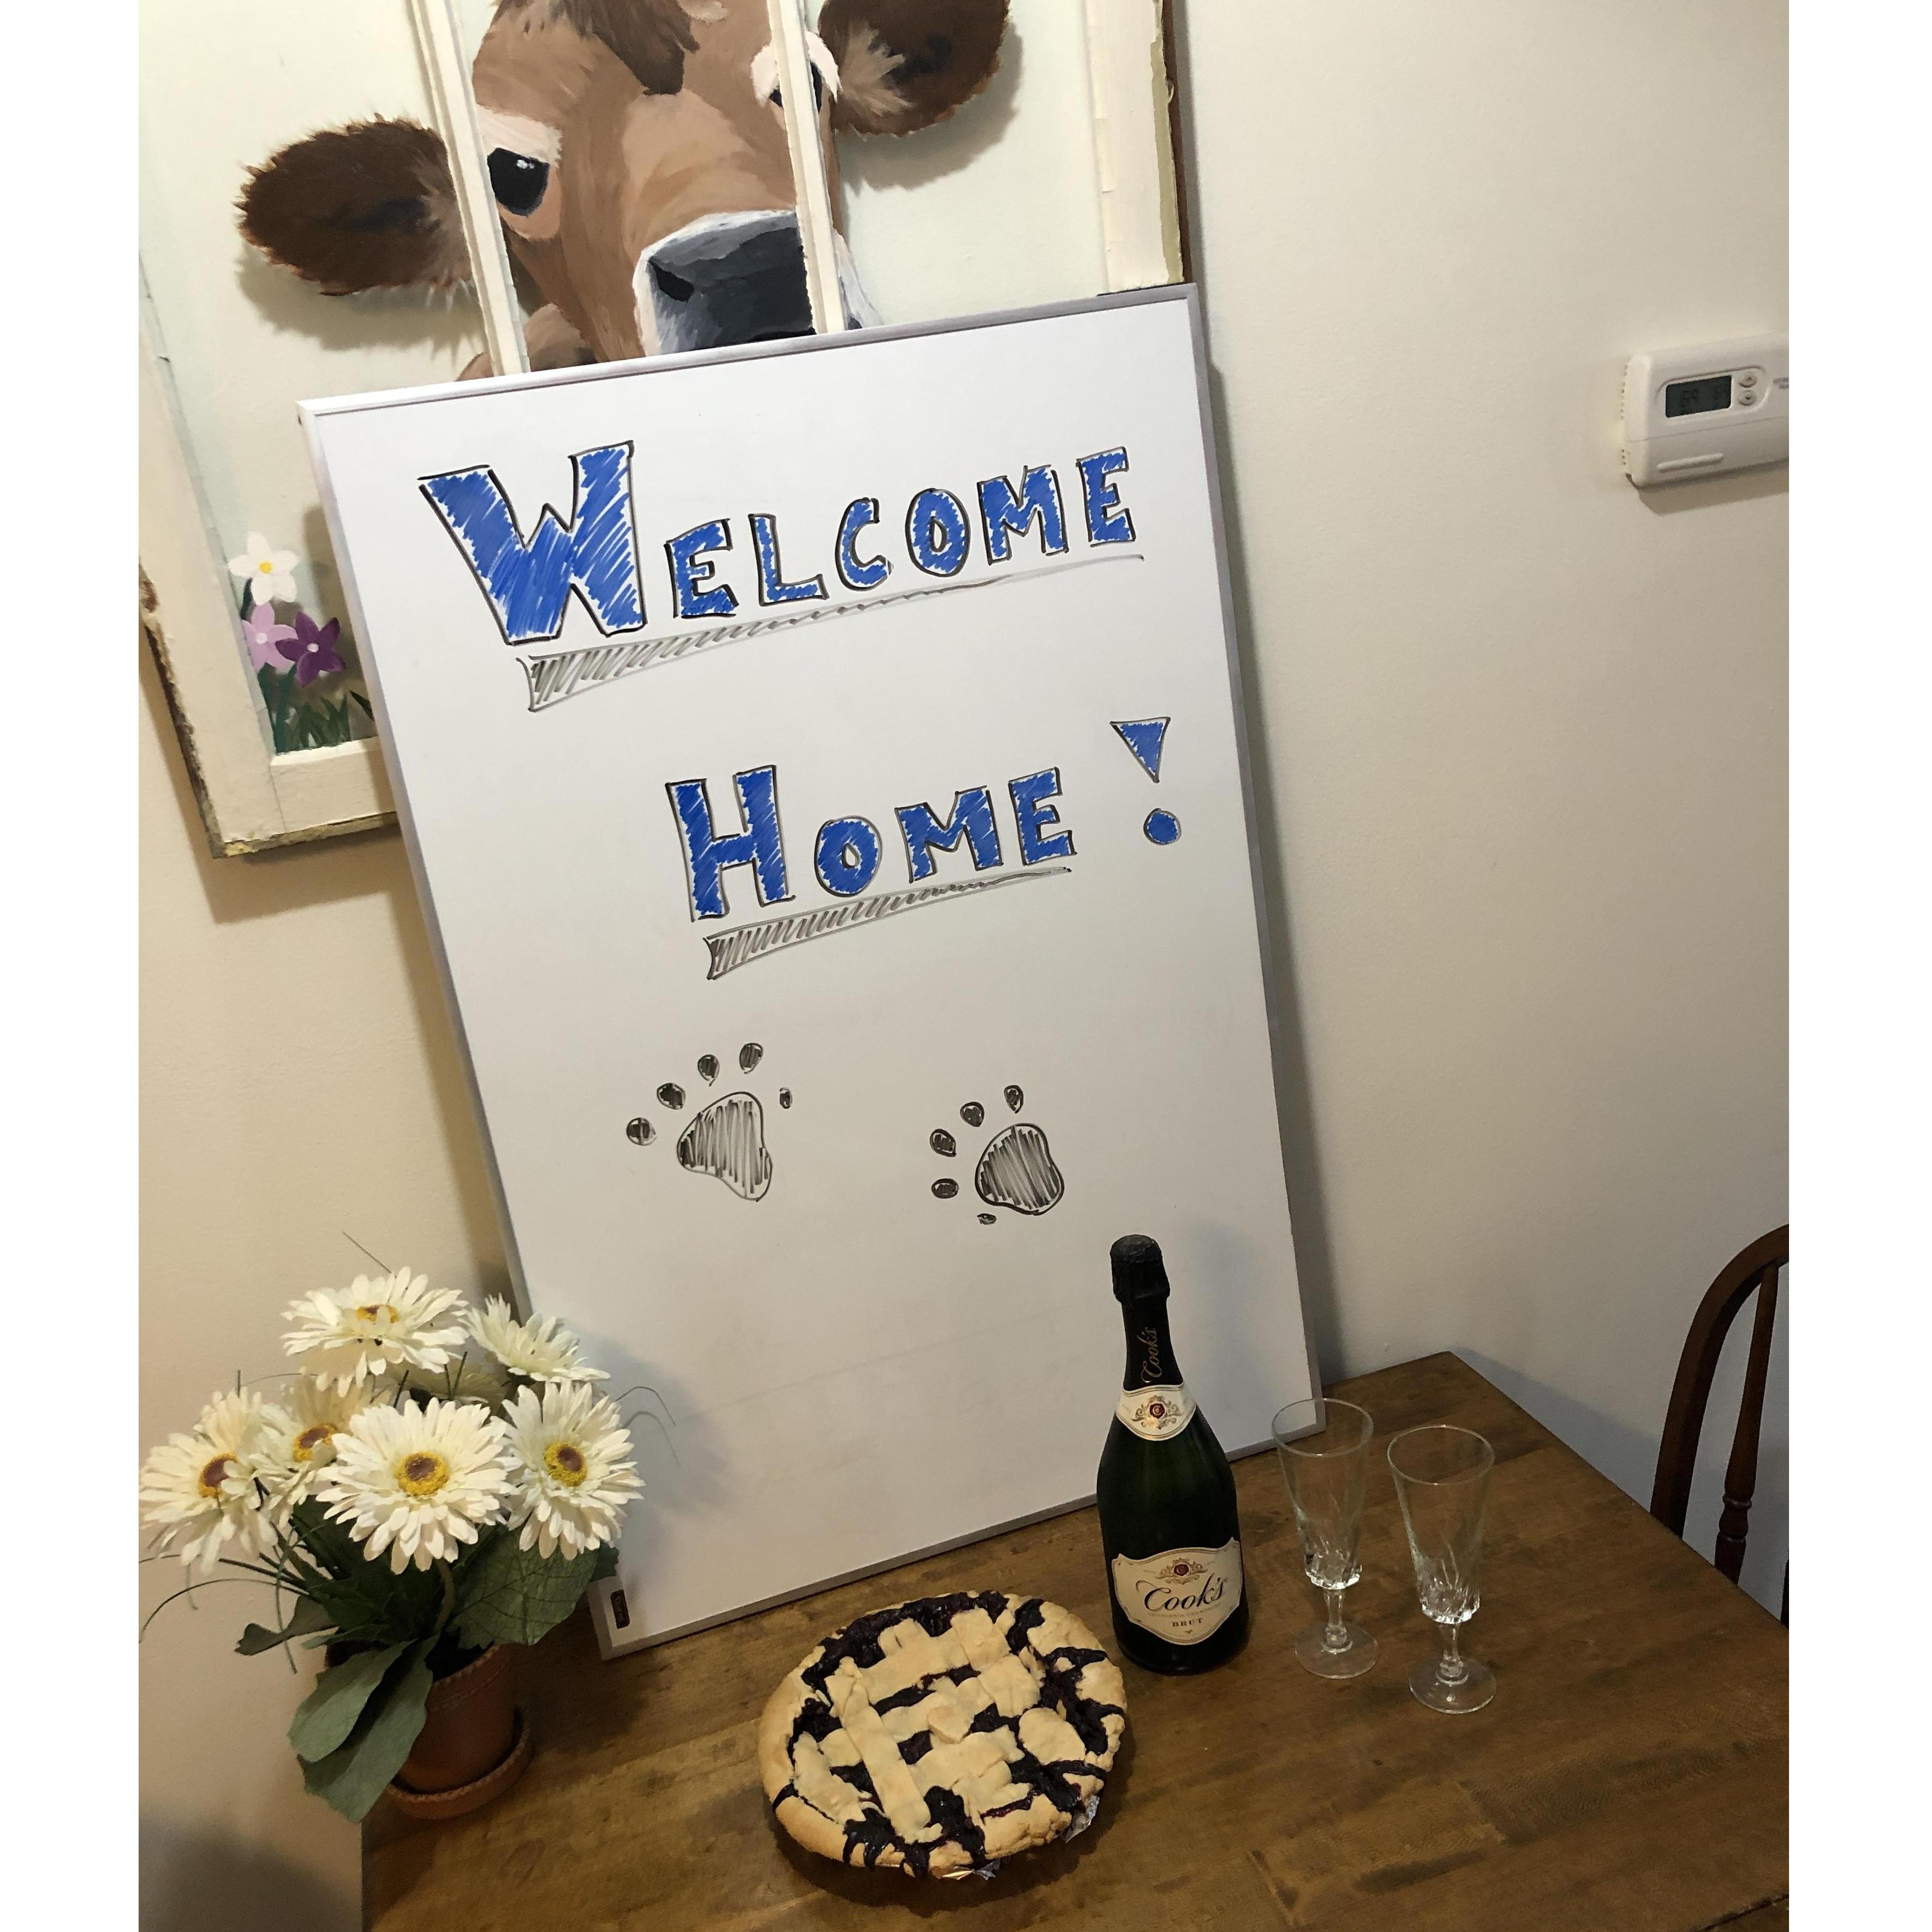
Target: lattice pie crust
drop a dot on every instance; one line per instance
(940, 1735)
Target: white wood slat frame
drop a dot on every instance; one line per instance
(812, 193)
(446, 66)
(1140, 219)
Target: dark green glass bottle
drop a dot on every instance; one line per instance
(1166, 1495)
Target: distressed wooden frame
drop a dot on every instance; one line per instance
(252, 798)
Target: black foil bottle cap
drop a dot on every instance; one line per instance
(1139, 1273)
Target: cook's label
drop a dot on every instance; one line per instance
(1184, 1595)
(1155, 1413)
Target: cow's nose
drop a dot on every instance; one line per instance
(724, 279)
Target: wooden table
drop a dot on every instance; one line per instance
(1630, 1776)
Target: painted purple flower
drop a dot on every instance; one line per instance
(268, 637)
(315, 653)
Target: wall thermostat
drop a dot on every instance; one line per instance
(1701, 412)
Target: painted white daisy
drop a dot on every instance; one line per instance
(291, 1442)
(418, 1482)
(541, 1350)
(373, 1328)
(571, 1479)
(267, 571)
(193, 1489)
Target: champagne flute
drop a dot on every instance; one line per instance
(1442, 1481)
(1323, 1445)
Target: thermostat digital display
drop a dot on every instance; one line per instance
(1694, 398)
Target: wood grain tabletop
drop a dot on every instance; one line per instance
(1629, 1777)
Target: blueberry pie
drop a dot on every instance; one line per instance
(941, 1735)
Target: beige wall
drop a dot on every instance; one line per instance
(1520, 745)
(1521, 729)
(297, 1081)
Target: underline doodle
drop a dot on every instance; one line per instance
(558, 675)
(730, 950)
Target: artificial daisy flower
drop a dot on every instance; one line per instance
(418, 1482)
(541, 1350)
(291, 1442)
(570, 1479)
(269, 573)
(475, 1376)
(194, 1490)
(373, 1328)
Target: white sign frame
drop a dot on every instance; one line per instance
(628, 1622)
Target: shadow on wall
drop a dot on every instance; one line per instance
(1628, 1457)
(1697, 494)
(329, 871)
(1314, 1250)
(444, 324)
(875, 162)
(292, 878)
(1314, 1246)
(194, 1882)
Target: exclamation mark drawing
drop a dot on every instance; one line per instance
(1145, 738)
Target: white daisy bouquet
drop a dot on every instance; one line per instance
(435, 1481)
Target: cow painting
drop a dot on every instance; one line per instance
(638, 152)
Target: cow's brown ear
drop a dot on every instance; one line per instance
(367, 206)
(904, 64)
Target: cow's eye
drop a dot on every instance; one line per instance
(519, 181)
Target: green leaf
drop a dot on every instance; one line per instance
(327, 1715)
(367, 1601)
(307, 1616)
(604, 1564)
(352, 1776)
(328, 1544)
(374, 1622)
(509, 1595)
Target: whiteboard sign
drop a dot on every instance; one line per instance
(822, 767)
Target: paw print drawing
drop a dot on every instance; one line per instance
(725, 1139)
(1016, 1168)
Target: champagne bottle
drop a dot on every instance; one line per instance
(1166, 1495)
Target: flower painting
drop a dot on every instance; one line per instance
(268, 572)
(315, 655)
(306, 671)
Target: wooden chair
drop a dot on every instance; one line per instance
(1755, 1270)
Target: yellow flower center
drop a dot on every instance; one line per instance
(266, 568)
(423, 1473)
(564, 1461)
(209, 1480)
(310, 1440)
(376, 1311)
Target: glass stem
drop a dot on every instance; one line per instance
(1335, 1637)
(1452, 1669)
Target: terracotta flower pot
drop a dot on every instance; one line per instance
(474, 1744)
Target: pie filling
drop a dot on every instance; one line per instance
(921, 1723)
